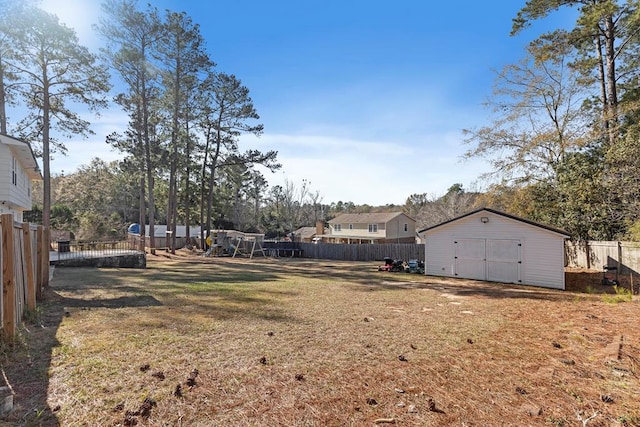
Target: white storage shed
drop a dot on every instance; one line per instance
(494, 246)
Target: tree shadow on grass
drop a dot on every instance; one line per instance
(194, 290)
(261, 269)
(26, 364)
(470, 288)
(118, 302)
(26, 361)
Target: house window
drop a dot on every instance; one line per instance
(338, 227)
(350, 226)
(373, 228)
(14, 175)
(406, 227)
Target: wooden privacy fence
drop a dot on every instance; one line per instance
(590, 254)
(24, 254)
(362, 252)
(625, 256)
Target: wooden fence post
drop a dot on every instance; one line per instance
(587, 253)
(46, 244)
(8, 279)
(39, 262)
(619, 245)
(28, 257)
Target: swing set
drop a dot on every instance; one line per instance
(248, 244)
(234, 243)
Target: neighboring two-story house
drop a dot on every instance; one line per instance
(18, 169)
(390, 227)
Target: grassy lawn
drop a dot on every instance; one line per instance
(291, 342)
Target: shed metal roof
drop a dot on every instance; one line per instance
(506, 215)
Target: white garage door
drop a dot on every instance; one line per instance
(470, 259)
(495, 260)
(503, 261)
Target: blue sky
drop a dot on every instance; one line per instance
(365, 100)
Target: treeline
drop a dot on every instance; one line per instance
(185, 116)
(564, 142)
(564, 134)
(100, 200)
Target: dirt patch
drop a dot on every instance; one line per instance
(220, 341)
(591, 281)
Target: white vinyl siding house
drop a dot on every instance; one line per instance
(494, 246)
(18, 168)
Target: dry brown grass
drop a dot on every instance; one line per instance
(291, 342)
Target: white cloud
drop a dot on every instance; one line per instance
(371, 172)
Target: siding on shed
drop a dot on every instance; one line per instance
(542, 250)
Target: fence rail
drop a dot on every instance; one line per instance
(591, 254)
(70, 249)
(362, 252)
(98, 253)
(625, 256)
(24, 254)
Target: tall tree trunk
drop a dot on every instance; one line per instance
(212, 180)
(603, 87)
(152, 217)
(142, 219)
(187, 177)
(3, 101)
(173, 184)
(46, 170)
(173, 179)
(256, 209)
(149, 168)
(171, 202)
(612, 107)
(204, 224)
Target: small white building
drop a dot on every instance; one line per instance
(494, 246)
(18, 168)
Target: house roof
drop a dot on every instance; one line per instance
(23, 152)
(506, 215)
(305, 232)
(366, 218)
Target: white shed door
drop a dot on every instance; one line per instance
(496, 260)
(470, 261)
(503, 261)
